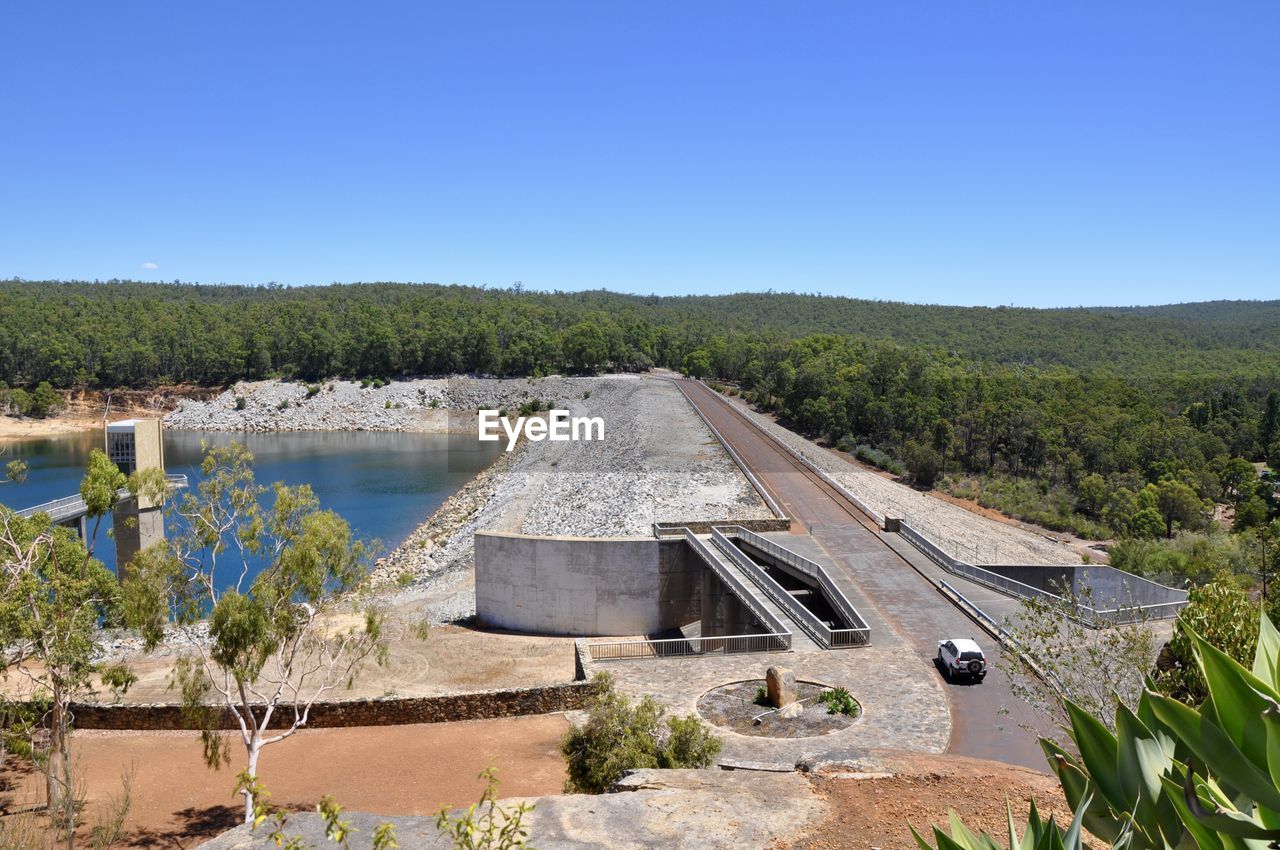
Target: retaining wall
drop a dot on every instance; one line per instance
(588, 586)
(382, 711)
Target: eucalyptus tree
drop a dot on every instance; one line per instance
(265, 602)
(53, 598)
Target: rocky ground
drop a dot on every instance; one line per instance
(425, 404)
(974, 538)
(832, 808)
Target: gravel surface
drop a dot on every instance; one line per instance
(963, 533)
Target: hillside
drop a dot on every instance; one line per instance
(136, 334)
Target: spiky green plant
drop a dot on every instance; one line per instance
(1040, 834)
(1173, 777)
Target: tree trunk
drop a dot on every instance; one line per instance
(58, 786)
(255, 748)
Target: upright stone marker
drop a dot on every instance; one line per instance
(780, 683)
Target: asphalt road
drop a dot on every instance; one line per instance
(988, 720)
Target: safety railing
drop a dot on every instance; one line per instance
(708, 555)
(70, 507)
(808, 568)
(857, 633)
(1085, 613)
(824, 635)
(688, 647)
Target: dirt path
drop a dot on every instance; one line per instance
(392, 770)
(873, 814)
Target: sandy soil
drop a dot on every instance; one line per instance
(452, 659)
(873, 814)
(393, 770)
(84, 410)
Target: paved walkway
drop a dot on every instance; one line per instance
(904, 707)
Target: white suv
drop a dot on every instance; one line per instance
(962, 657)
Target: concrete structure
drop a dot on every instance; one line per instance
(586, 585)
(135, 445)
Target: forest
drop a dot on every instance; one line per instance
(1111, 422)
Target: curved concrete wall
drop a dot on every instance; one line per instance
(569, 585)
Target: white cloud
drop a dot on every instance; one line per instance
(150, 266)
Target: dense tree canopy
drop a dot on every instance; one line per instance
(1124, 420)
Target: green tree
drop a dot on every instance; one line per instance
(44, 401)
(100, 489)
(697, 364)
(1220, 613)
(1179, 505)
(923, 462)
(53, 596)
(278, 640)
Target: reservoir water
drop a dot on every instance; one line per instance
(384, 484)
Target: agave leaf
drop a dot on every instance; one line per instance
(1266, 660)
(1098, 753)
(967, 837)
(1226, 822)
(1072, 839)
(1239, 699)
(920, 842)
(1099, 818)
(1212, 746)
(1168, 741)
(1205, 838)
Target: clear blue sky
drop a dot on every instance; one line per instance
(1033, 153)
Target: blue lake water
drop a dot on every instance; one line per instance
(384, 484)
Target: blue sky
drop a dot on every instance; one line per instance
(1043, 154)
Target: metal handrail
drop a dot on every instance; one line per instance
(1086, 613)
(743, 593)
(826, 636)
(684, 647)
(70, 506)
(812, 569)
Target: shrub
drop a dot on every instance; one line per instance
(241, 403)
(486, 825)
(365, 383)
(313, 390)
(762, 696)
(619, 736)
(283, 405)
(877, 458)
(840, 701)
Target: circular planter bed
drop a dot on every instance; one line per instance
(735, 707)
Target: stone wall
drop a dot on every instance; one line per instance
(704, 526)
(382, 711)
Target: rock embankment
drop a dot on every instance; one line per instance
(425, 404)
